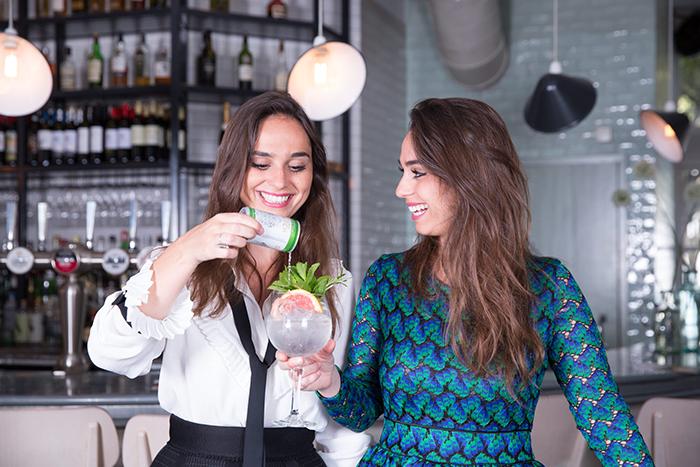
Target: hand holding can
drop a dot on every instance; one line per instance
(281, 233)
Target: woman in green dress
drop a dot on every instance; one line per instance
(451, 338)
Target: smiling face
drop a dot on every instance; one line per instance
(280, 172)
(429, 200)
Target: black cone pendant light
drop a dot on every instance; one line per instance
(559, 101)
(667, 129)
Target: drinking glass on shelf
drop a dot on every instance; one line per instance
(299, 327)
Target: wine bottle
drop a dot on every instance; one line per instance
(138, 134)
(124, 135)
(96, 135)
(182, 132)
(117, 5)
(142, 76)
(70, 137)
(281, 72)
(245, 67)
(44, 139)
(2, 140)
(95, 64)
(277, 9)
(219, 5)
(118, 64)
(58, 7)
(206, 63)
(11, 142)
(111, 136)
(162, 64)
(57, 138)
(78, 6)
(97, 6)
(32, 140)
(68, 72)
(83, 157)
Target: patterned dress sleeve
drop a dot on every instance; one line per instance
(358, 404)
(577, 356)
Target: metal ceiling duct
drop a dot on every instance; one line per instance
(471, 41)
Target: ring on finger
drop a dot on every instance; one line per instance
(221, 242)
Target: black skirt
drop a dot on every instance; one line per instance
(197, 445)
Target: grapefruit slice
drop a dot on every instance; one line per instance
(295, 299)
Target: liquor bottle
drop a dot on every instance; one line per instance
(225, 120)
(138, 4)
(44, 138)
(111, 136)
(138, 134)
(142, 76)
(276, 9)
(33, 140)
(68, 72)
(182, 132)
(78, 6)
(124, 135)
(245, 67)
(58, 7)
(281, 73)
(96, 135)
(151, 129)
(206, 63)
(162, 64)
(11, 143)
(118, 64)
(163, 125)
(43, 8)
(83, 137)
(97, 6)
(159, 3)
(95, 64)
(57, 139)
(70, 137)
(2, 140)
(117, 5)
(219, 5)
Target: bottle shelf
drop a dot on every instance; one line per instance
(104, 166)
(158, 20)
(125, 93)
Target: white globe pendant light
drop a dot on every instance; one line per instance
(25, 77)
(328, 78)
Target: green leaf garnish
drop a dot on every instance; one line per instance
(302, 276)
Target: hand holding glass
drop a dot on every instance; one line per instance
(298, 331)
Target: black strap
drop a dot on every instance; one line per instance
(253, 448)
(120, 302)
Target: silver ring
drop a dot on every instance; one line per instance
(221, 243)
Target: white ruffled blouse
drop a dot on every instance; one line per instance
(205, 374)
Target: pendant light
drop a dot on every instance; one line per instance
(328, 78)
(558, 101)
(25, 77)
(667, 130)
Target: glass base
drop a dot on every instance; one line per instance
(294, 420)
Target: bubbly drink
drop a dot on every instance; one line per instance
(302, 333)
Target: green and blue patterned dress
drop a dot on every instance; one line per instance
(437, 412)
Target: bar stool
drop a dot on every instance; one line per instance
(144, 436)
(669, 427)
(58, 436)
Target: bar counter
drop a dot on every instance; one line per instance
(639, 374)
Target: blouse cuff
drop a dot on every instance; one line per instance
(177, 321)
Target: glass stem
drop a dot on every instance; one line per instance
(296, 392)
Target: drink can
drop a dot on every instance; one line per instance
(281, 233)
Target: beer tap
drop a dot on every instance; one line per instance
(18, 259)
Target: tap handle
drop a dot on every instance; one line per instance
(41, 214)
(90, 207)
(11, 218)
(165, 220)
(132, 224)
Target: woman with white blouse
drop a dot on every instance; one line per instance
(201, 303)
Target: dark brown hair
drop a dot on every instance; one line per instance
(485, 254)
(213, 281)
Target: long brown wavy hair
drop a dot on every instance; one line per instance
(213, 282)
(485, 253)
